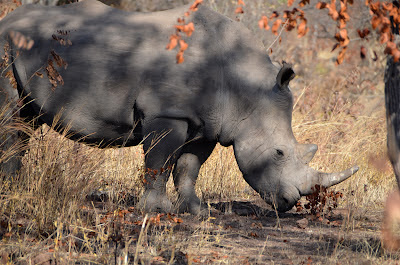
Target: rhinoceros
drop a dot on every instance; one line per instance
(115, 84)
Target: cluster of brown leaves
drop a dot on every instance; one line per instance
(151, 174)
(52, 74)
(6, 57)
(117, 216)
(10, 76)
(156, 220)
(21, 41)
(292, 19)
(8, 6)
(319, 201)
(239, 8)
(5, 63)
(341, 17)
(182, 27)
(381, 23)
(61, 37)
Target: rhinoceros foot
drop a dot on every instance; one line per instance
(155, 201)
(191, 204)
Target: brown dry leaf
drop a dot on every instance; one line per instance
(179, 57)
(343, 34)
(158, 258)
(195, 5)
(343, 42)
(332, 10)
(275, 26)
(363, 52)
(290, 2)
(53, 75)
(178, 220)
(321, 5)
(11, 79)
(253, 234)
(396, 55)
(375, 21)
(240, 2)
(363, 34)
(274, 15)
(173, 41)
(183, 45)
(39, 74)
(188, 29)
(239, 10)
(20, 40)
(304, 2)
(263, 23)
(302, 29)
(387, 6)
(59, 60)
(384, 38)
(340, 57)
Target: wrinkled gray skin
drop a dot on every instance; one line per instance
(123, 87)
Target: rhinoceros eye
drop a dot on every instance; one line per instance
(279, 152)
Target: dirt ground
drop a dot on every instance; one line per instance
(239, 232)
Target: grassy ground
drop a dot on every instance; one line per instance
(75, 204)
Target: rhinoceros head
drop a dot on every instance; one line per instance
(270, 158)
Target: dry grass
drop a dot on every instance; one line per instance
(45, 214)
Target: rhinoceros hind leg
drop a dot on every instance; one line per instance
(162, 147)
(185, 173)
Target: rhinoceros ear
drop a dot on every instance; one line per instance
(285, 75)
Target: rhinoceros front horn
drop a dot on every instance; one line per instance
(327, 180)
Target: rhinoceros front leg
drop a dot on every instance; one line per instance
(186, 171)
(162, 146)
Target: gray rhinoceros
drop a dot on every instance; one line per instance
(122, 87)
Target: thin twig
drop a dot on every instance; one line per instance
(280, 33)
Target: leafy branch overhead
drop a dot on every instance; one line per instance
(295, 19)
(338, 12)
(182, 27)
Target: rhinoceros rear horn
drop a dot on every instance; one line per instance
(285, 75)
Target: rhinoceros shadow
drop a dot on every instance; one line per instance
(248, 208)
